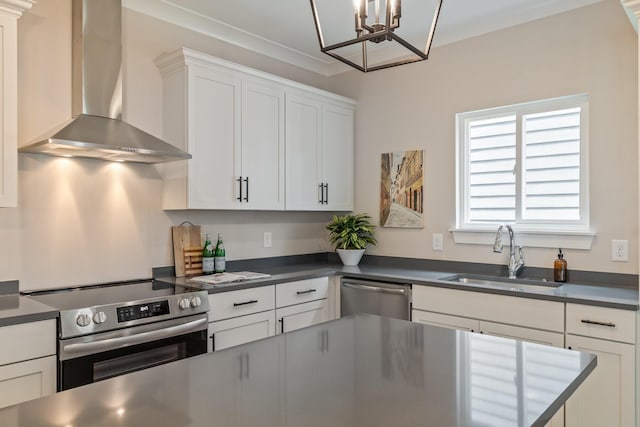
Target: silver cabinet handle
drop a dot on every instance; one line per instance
(593, 322)
(370, 288)
(111, 343)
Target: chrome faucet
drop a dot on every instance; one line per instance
(514, 266)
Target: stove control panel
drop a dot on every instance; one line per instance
(110, 317)
(141, 311)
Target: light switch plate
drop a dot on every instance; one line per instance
(267, 239)
(438, 242)
(620, 250)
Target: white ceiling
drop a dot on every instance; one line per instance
(284, 30)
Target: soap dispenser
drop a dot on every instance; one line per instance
(560, 268)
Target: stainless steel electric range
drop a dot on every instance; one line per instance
(113, 329)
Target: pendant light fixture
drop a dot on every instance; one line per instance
(380, 41)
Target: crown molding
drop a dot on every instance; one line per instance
(166, 11)
(16, 7)
(632, 8)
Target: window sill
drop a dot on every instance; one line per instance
(532, 239)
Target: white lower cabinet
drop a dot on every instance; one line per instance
(445, 320)
(242, 316)
(245, 315)
(607, 397)
(302, 303)
(27, 380)
(240, 330)
(27, 362)
(302, 315)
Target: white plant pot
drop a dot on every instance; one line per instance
(350, 256)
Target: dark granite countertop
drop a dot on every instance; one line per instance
(355, 371)
(607, 296)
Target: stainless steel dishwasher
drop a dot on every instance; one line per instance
(383, 299)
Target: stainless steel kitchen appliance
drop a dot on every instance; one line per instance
(113, 329)
(383, 299)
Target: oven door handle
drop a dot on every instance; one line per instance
(111, 343)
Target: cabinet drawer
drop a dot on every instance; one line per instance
(242, 302)
(601, 322)
(528, 312)
(27, 341)
(301, 291)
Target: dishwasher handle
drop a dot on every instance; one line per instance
(376, 288)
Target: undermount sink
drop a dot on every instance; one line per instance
(524, 285)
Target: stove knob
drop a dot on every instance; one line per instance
(196, 302)
(83, 320)
(99, 317)
(184, 303)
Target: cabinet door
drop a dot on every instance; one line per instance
(213, 138)
(262, 149)
(240, 330)
(607, 397)
(337, 156)
(302, 315)
(27, 380)
(9, 109)
(444, 320)
(303, 153)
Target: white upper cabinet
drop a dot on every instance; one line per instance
(262, 152)
(258, 141)
(337, 157)
(304, 148)
(319, 135)
(10, 11)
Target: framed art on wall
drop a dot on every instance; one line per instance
(401, 189)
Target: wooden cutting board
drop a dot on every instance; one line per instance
(187, 244)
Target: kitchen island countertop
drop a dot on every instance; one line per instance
(358, 370)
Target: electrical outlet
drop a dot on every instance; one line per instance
(267, 239)
(437, 243)
(620, 250)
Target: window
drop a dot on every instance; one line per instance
(526, 165)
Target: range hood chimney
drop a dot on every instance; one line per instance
(96, 129)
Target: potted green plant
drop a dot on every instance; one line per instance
(351, 234)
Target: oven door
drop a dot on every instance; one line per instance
(96, 357)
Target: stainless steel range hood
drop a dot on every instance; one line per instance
(97, 129)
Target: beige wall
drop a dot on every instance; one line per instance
(85, 221)
(590, 50)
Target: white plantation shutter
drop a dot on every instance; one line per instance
(492, 159)
(524, 164)
(552, 165)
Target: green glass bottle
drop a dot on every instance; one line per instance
(207, 255)
(219, 256)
